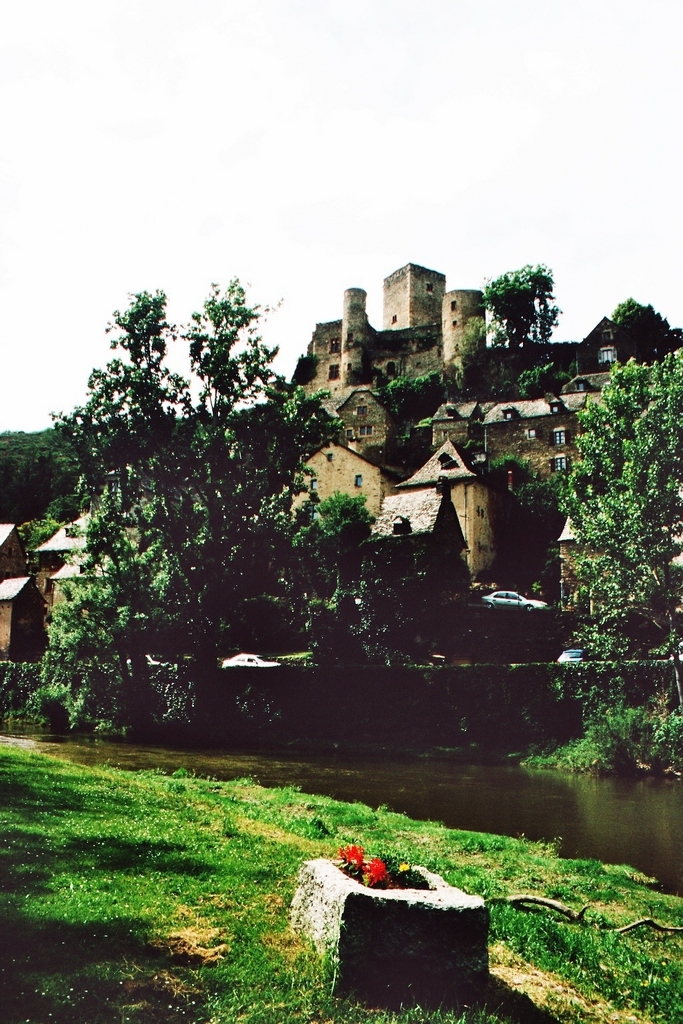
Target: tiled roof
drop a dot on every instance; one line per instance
(595, 382)
(66, 572)
(62, 541)
(5, 530)
(440, 466)
(419, 508)
(528, 408)
(11, 588)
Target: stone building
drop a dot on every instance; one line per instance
(540, 431)
(13, 561)
(606, 344)
(369, 428)
(569, 584)
(422, 511)
(423, 331)
(338, 468)
(22, 619)
(453, 421)
(591, 383)
(479, 507)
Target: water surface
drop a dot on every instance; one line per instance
(620, 821)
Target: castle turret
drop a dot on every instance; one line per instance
(354, 330)
(458, 308)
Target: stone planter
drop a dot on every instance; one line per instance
(395, 947)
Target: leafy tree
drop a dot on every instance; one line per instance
(412, 399)
(541, 380)
(520, 304)
(652, 332)
(625, 500)
(37, 470)
(200, 476)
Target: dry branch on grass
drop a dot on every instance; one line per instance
(577, 915)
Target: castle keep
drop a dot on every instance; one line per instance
(423, 330)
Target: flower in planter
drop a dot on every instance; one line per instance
(385, 872)
(375, 874)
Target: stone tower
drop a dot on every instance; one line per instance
(458, 307)
(354, 331)
(412, 297)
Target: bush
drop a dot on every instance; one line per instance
(18, 680)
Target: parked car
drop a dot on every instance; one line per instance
(571, 656)
(509, 599)
(248, 661)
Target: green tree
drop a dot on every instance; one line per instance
(540, 380)
(652, 332)
(199, 472)
(625, 499)
(521, 306)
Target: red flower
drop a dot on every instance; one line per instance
(375, 873)
(353, 857)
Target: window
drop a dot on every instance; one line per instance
(454, 306)
(394, 319)
(334, 371)
(314, 485)
(581, 385)
(401, 525)
(316, 514)
(365, 431)
(430, 286)
(359, 480)
(451, 411)
(330, 456)
(349, 433)
(559, 437)
(607, 335)
(447, 461)
(555, 407)
(455, 323)
(362, 410)
(507, 414)
(349, 337)
(531, 433)
(559, 464)
(391, 369)
(607, 354)
(335, 345)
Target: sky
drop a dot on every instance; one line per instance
(309, 146)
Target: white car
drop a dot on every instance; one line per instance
(571, 656)
(248, 661)
(509, 599)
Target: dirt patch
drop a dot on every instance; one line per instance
(189, 947)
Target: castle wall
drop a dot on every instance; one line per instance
(478, 507)
(326, 346)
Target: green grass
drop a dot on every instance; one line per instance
(145, 898)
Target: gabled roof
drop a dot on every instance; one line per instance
(530, 408)
(363, 393)
(460, 411)
(345, 448)
(11, 588)
(567, 532)
(447, 462)
(69, 538)
(5, 530)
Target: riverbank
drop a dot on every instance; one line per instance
(148, 898)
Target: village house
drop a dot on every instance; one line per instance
(478, 506)
(569, 584)
(424, 511)
(605, 345)
(368, 427)
(13, 561)
(22, 619)
(540, 431)
(60, 557)
(336, 468)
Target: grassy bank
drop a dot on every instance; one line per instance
(146, 898)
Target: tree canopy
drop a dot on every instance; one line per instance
(651, 331)
(193, 482)
(625, 500)
(520, 303)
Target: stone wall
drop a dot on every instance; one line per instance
(413, 296)
(368, 427)
(479, 508)
(337, 468)
(532, 440)
(12, 557)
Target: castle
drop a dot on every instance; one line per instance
(423, 330)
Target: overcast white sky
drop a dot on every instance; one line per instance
(307, 146)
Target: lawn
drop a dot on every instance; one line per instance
(149, 898)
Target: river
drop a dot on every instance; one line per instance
(619, 821)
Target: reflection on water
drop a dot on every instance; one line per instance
(620, 821)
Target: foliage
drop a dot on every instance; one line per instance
(412, 399)
(385, 872)
(38, 476)
(200, 476)
(651, 331)
(625, 500)
(541, 380)
(168, 900)
(305, 370)
(520, 305)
